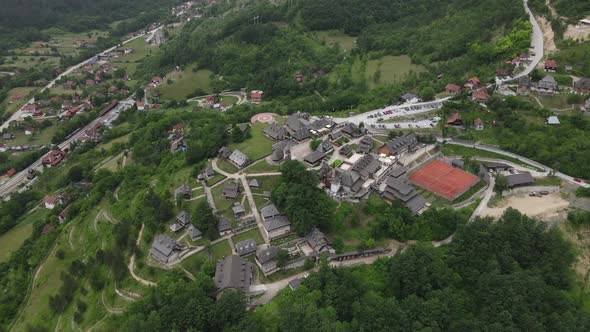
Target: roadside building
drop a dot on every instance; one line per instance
(223, 226)
(267, 260)
(318, 241)
(547, 85)
(365, 145)
(400, 145)
(184, 191)
(231, 190)
(520, 180)
(452, 88)
(50, 201)
(550, 65)
(582, 85)
(275, 223)
(480, 95)
(454, 120)
(194, 233)
(239, 159)
(398, 188)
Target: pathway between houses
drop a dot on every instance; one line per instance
(131, 265)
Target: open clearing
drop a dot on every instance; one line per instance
(392, 69)
(185, 82)
(14, 238)
(257, 146)
(335, 37)
(546, 208)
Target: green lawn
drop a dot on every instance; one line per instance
(219, 250)
(267, 183)
(263, 167)
(14, 238)
(256, 147)
(212, 181)
(555, 102)
(229, 100)
(222, 203)
(470, 192)
(392, 69)
(226, 166)
(186, 82)
(548, 181)
(109, 144)
(251, 234)
(336, 37)
(42, 137)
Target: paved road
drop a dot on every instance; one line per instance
(254, 208)
(537, 47)
(12, 184)
(547, 169)
(18, 114)
(486, 199)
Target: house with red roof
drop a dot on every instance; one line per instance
(256, 96)
(50, 201)
(89, 83)
(30, 108)
(472, 83)
(53, 158)
(550, 65)
(452, 88)
(140, 105)
(156, 80)
(480, 95)
(63, 216)
(38, 112)
(66, 105)
(11, 172)
(299, 77)
(112, 89)
(478, 124)
(454, 120)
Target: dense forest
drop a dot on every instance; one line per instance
(450, 37)
(513, 274)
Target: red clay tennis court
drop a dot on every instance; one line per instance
(443, 179)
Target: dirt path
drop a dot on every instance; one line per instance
(109, 309)
(131, 265)
(58, 323)
(70, 237)
(548, 36)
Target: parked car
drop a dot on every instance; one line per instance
(578, 180)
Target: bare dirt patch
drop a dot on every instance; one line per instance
(577, 32)
(580, 237)
(551, 207)
(548, 35)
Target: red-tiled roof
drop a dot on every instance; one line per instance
(550, 64)
(454, 117)
(49, 199)
(11, 172)
(481, 94)
(452, 88)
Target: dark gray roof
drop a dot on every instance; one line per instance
(276, 222)
(269, 211)
(353, 130)
(345, 150)
(524, 81)
(233, 272)
(267, 255)
(317, 239)
(275, 132)
(347, 178)
(365, 145)
(548, 82)
(163, 247)
(314, 157)
(210, 171)
(324, 170)
(495, 165)
(399, 188)
(366, 166)
(183, 218)
(183, 190)
(416, 203)
(193, 232)
(458, 163)
(520, 179)
(401, 143)
(301, 134)
(254, 183)
(223, 225)
(397, 171)
(325, 146)
(246, 247)
(583, 84)
(230, 190)
(409, 96)
(295, 283)
(239, 158)
(224, 152)
(237, 209)
(296, 122)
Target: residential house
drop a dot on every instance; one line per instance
(365, 145)
(314, 158)
(346, 151)
(254, 183)
(29, 108)
(452, 88)
(400, 145)
(297, 126)
(550, 65)
(480, 95)
(267, 260)
(223, 226)
(50, 201)
(231, 190)
(410, 97)
(472, 83)
(53, 158)
(582, 85)
(224, 152)
(502, 73)
(318, 241)
(140, 105)
(11, 172)
(293, 284)
(349, 183)
(182, 220)
(165, 249)
(256, 96)
(524, 85)
(246, 247)
(282, 150)
(183, 190)
(547, 85)
(326, 146)
(520, 180)
(352, 130)
(239, 210)
(275, 132)
(233, 272)
(478, 124)
(454, 120)
(194, 233)
(275, 223)
(553, 120)
(398, 188)
(239, 159)
(63, 216)
(7, 136)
